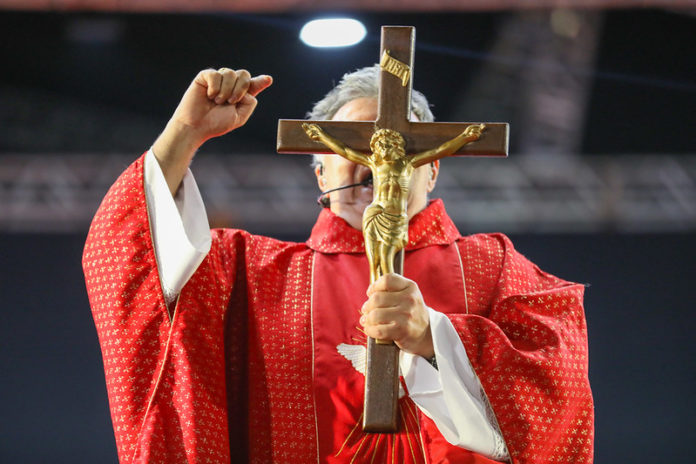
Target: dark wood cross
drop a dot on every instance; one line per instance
(394, 111)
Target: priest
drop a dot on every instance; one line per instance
(222, 346)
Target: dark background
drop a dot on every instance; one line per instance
(638, 305)
(121, 68)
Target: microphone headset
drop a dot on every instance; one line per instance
(324, 201)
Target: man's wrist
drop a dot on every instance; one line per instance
(174, 149)
(426, 348)
(179, 140)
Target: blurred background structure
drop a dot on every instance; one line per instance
(600, 185)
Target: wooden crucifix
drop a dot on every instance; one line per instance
(392, 146)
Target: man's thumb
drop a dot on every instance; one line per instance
(259, 83)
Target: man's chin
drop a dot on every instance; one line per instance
(351, 212)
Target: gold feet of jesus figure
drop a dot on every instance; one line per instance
(385, 220)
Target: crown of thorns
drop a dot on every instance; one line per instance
(388, 134)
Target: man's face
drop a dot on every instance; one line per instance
(349, 204)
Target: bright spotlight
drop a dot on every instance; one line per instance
(336, 32)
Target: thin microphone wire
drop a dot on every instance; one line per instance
(323, 200)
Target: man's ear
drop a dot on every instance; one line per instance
(319, 172)
(434, 171)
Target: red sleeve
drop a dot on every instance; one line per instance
(528, 347)
(165, 372)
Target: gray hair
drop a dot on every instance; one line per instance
(362, 83)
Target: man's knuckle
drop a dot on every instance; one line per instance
(400, 333)
(410, 299)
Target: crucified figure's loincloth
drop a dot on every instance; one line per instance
(385, 233)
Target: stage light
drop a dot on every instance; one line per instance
(334, 32)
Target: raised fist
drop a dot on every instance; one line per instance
(219, 101)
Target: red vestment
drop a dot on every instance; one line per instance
(245, 368)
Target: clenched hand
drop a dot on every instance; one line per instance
(215, 103)
(395, 310)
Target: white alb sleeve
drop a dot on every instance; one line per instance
(451, 395)
(179, 225)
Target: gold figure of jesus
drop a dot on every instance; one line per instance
(385, 221)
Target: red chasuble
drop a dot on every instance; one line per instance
(262, 359)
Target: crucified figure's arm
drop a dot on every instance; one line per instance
(470, 134)
(317, 133)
